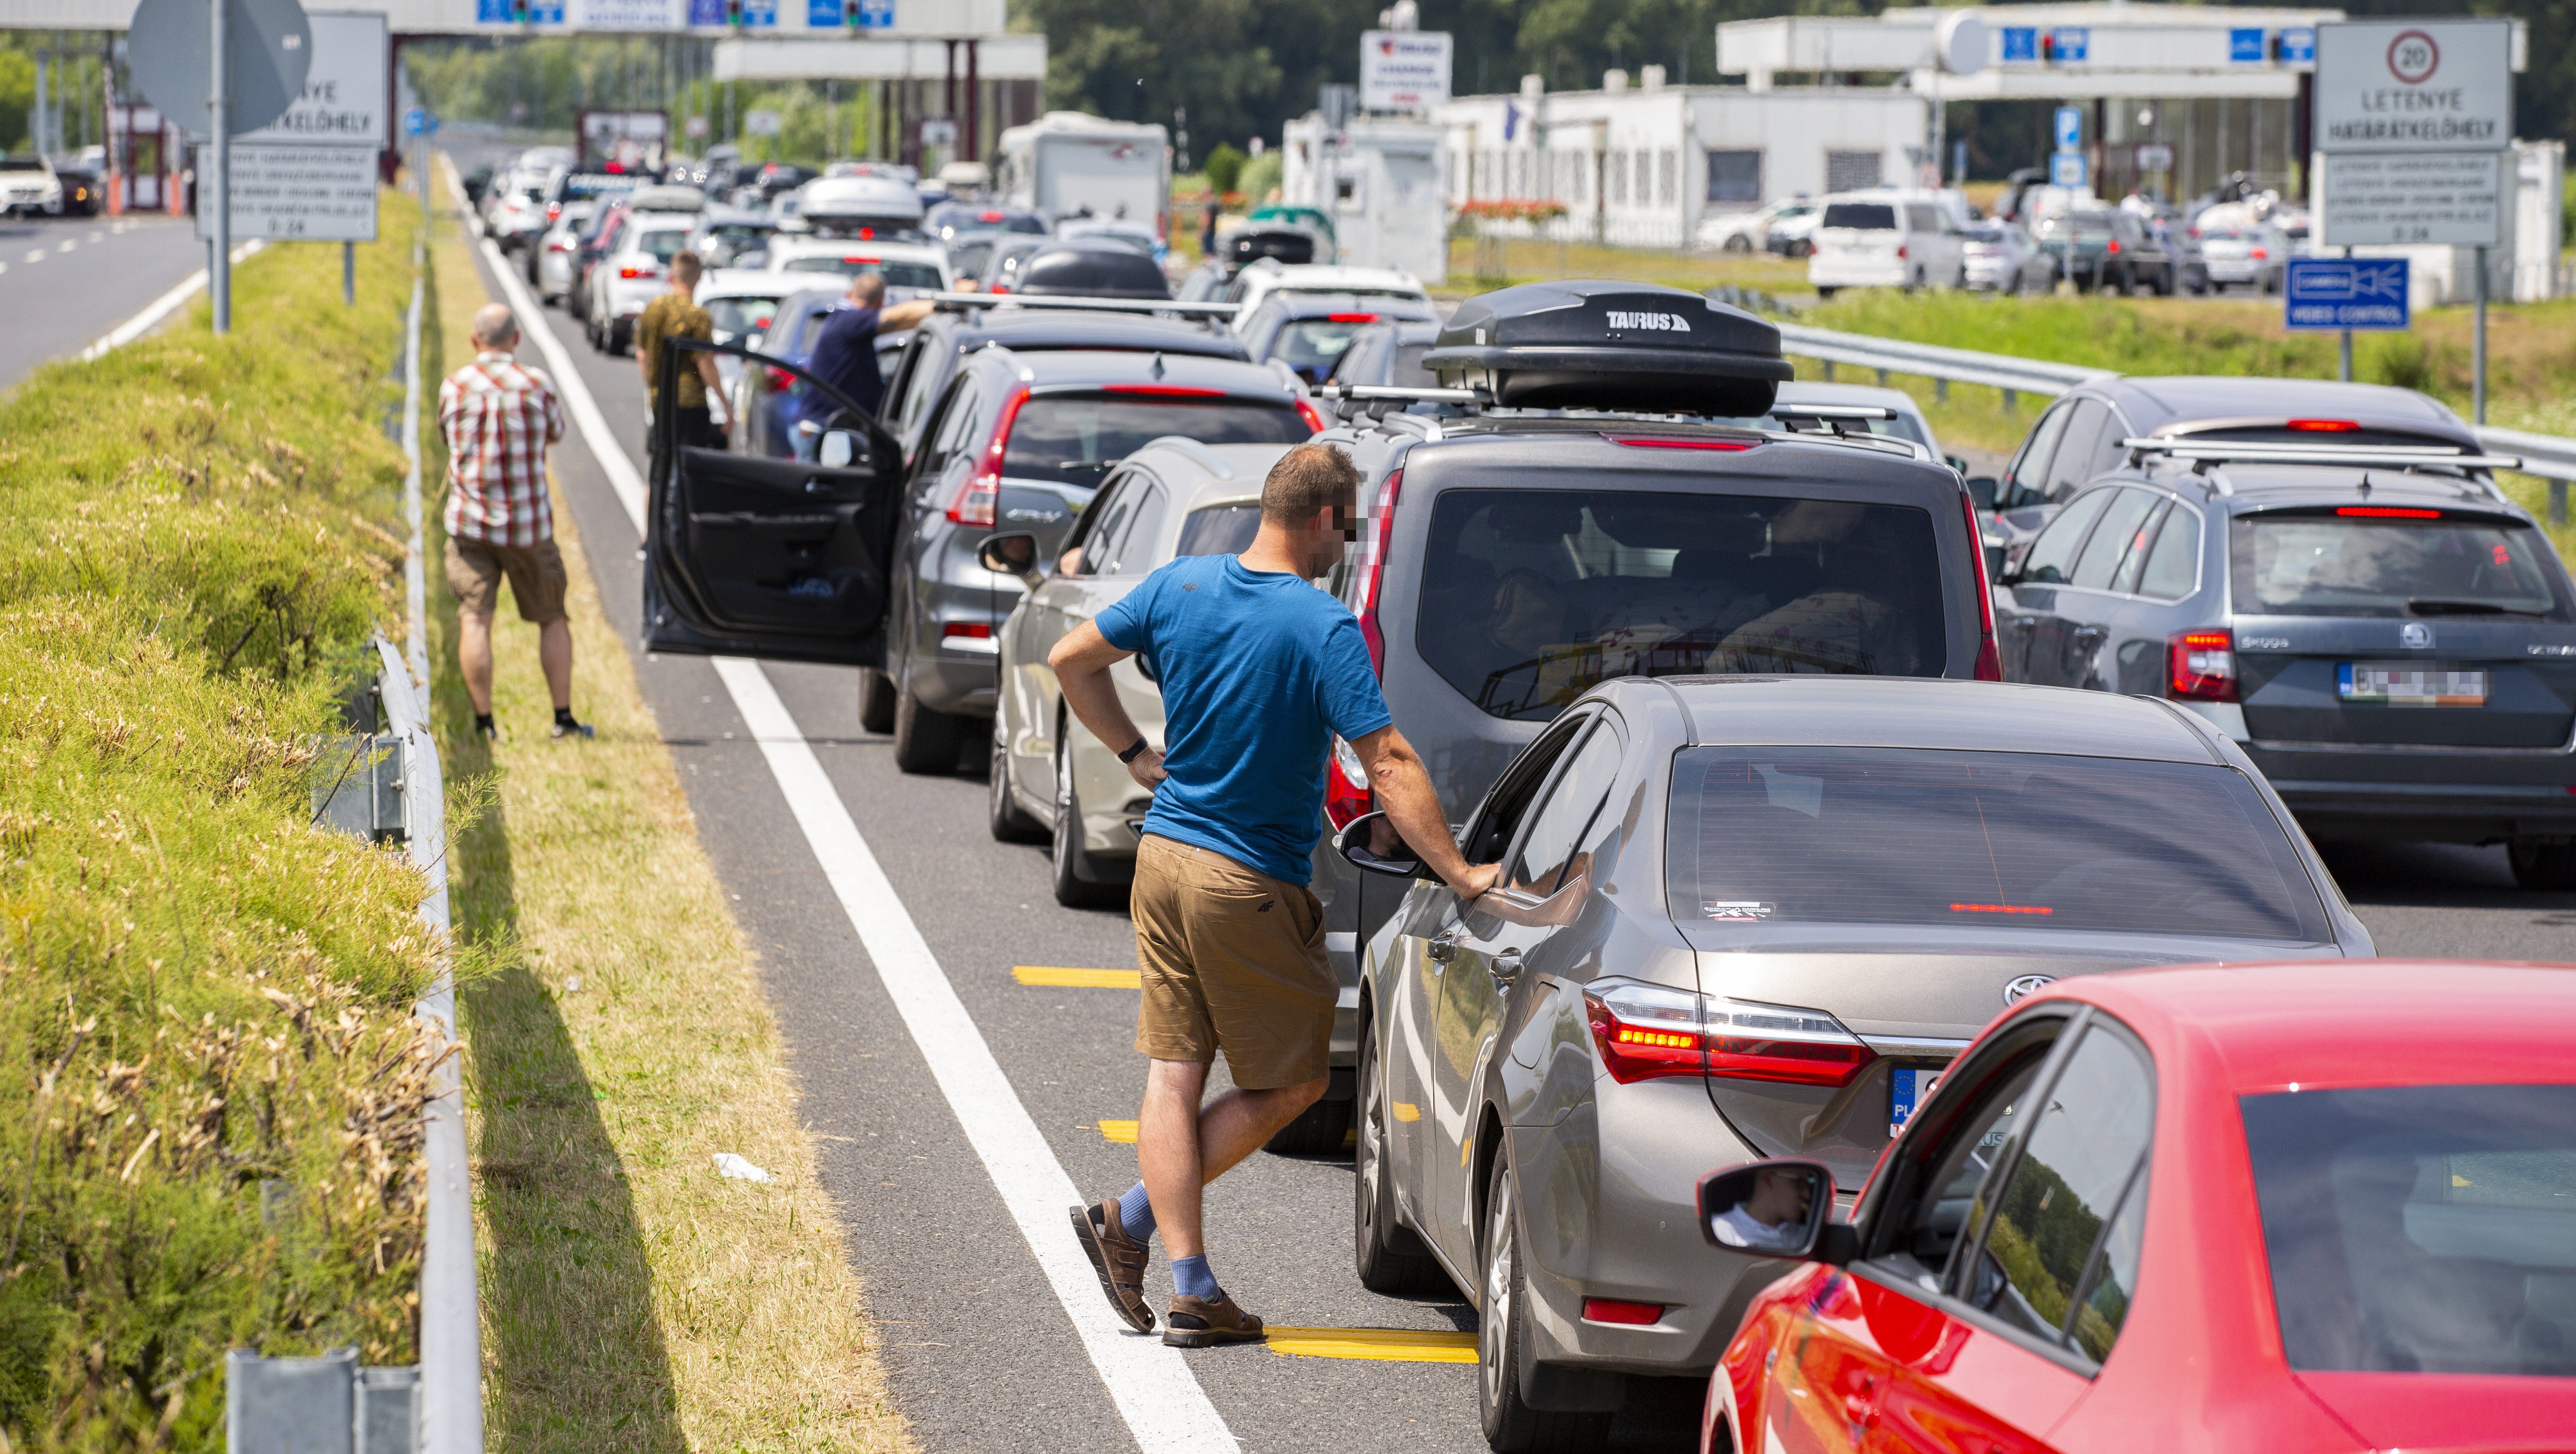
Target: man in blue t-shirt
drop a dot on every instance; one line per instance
(845, 352)
(1260, 671)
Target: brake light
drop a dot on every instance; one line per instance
(1900, 250)
(1646, 1031)
(2259, 254)
(2201, 666)
(553, 210)
(1373, 570)
(643, 270)
(867, 234)
(982, 493)
(973, 630)
(988, 216)
(1716, 446)
(1346, 787)
(560, 244)
(2112, 246)
(862, 261)
(1350, 318)
(1990, 659)
(1314, 420)
(999, 288)
(2387, 512)
(2324, 426)
(780, 380)
(1164, 391)
(1612, 1310)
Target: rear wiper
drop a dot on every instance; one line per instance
(1078, 467)
(2435, 606)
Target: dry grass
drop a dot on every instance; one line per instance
(633, 1299)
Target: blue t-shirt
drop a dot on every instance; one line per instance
(845, 356)
(1259, 670)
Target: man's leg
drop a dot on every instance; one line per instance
(474, 658)
(1181, 1145)
(554, 653)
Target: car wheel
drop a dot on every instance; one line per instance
(620, 336)
(1002, 812)
(1319, 1130)
(1738, 242)
(1078, 880)
(1511, 1426)
(925, 739)
(2547, 867)
(876, 700)
(1826, 291)
(1386, 1253)
(1801, 248)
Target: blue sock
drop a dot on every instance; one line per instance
(1191, 1278)
(1136, 1212)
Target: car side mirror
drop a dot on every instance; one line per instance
(1777, 1208)
(1354, 844)
(1015, 554)
(1981, 488)
(838, 450)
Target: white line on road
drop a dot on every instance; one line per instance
(161, 307)
(68, 244)
(1152, 1386)
(34, 255)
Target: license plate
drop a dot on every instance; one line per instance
(1907, 1089)
(2396, 684)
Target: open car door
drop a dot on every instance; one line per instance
(750, 551)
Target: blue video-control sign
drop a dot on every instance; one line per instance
(2325, 295)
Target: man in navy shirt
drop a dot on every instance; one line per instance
(1260, 671)
(845, 353)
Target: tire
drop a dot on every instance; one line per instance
(1387, 1255)
(1319, 1130)
(1511, 1426)
(925, 739)
(1002, 813)
(1826, 291)
(621, 336)
(2544, 867)
(876, 700)
(1801, 247)
(1078, 881)
(1738, 242)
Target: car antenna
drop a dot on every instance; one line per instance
(1157, 369)
(2365, 484)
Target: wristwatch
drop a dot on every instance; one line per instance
(1131, 754)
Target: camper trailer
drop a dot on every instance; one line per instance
(1380, 182)
(1067, 164)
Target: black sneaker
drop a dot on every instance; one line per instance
(573, 729)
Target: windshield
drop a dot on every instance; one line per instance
(21, 164)
(663, 246)
(1312, 345)
(2363, 560)
(897, 273)
(1075, 438)
(2421, 1229)
(1864, 216)
(2002, 841)
(739, 315)
(1530, 597)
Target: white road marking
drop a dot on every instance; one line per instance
(68, 244)
(34, 255)
(1155, 1391)
(161, 307)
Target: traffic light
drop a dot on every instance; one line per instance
(733, 12)
(853, 14)
(518, 12)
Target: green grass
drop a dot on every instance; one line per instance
(210, 1083)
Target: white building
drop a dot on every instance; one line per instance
(1380, 181)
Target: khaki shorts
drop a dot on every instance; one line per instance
(536, 572)
(1231, 960)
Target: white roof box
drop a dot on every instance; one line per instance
(876, 200)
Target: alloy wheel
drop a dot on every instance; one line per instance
(1494, 1321)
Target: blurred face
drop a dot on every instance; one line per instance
(1779, 1197)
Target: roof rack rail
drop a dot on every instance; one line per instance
(2203, 453)
(1085, 305)
(1396, 391)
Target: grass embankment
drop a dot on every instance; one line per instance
(210, 1081)
(633, 1299)
(1532, 260)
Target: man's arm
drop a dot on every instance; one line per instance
(1404, 791)
(708, 375)
(901, 316)
(1081, 662)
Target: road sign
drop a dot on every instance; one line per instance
(1336, 101)
(269, 46)
(1403, 70)
(2155, 156)
(2298, 45)
(2414, 86)
(760, 123)
(2021, 43)
(2457, 199)
(419, 121)
(696, 126)
(2066, 169)
(2070, 128)
(2245, 45)
(939, 131)
(295, 192)
(2326, 295)
(343, 101)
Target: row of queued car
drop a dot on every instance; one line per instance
(35, 185)
(1718, 668)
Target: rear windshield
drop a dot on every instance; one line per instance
(741, 315)
(1998, 840)
(1219, 530)
(2398, 563)
(2421, 1229)
(1867, 216)
(663, 246)
(1531, 597)
(1312, 346)
(587, 184)
(898, 274)
(1074, 439)
(739, 232)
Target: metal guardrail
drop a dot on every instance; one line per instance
(2547, 455)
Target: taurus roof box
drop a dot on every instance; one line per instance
(1633, 347)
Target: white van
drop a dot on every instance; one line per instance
(1066, 164)
(1888, 238)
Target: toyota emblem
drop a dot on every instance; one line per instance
(2022, 987)
(2415, 634)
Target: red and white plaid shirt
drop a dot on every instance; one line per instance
(499, 419)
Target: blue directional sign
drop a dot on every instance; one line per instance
(2327, 294)
(2070, 128)
(2072, 42)
(2299, 44)
(2021, 43)
(2245, 45)
(419, 121)
(2066, 169)
(518, 12)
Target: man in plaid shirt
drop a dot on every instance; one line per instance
(499, 418)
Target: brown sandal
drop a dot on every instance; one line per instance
(1198, 1323)
(1118, 1258)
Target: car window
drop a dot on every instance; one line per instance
(2134, 558)
(2173, 563)
(2390, 560)
(1919, 217)
(1530, 597)
(1864, 216)
(1097, 532)
(956, 420)
(1312, 345)
(663, 245)
(2420, 1229)
(1925, 1247)
(2059, 1258)
(2112, 539)
(2030, 466)
(1130, 551)
(1219, 530)
(1075, 438)
(898, 273)
(2008, 842)
(1559, 823)
(2052, 555)
(740, 314)
(1501, 815)
(2072, 466)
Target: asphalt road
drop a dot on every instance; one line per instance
(981, 1354)
(64, 281)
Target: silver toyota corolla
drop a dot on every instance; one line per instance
(1743, 917)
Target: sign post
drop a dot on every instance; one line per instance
(2066, 165)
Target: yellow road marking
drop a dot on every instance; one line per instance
(1122, 1132)
(1385, 1345)
(1055, 977)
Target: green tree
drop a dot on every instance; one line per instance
(1224, 167)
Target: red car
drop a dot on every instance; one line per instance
(2271, 1207)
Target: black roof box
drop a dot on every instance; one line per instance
(1633, 347)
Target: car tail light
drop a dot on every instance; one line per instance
(2201, 666)
(1372, 572)
(867, 234)
(972, 630)
(2324, 426)
(1346, 787)
(999, 288)
(2387, 512)
(1314, 420)
(981, 495)
(2259, 254)
(1350, 318)
(1645, 1031)
(2112, 246)
(553, 210)
(1716, 446)
(1900, 250)
(988, 216)
(561, 244)
(1990, 660)
(1613, 1310)
(867, 262)
(780, 380)
(636, 270)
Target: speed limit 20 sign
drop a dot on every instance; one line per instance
(2414, 85)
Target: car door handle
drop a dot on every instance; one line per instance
(1506, 965)
(2090, 634)
(1441, 951)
